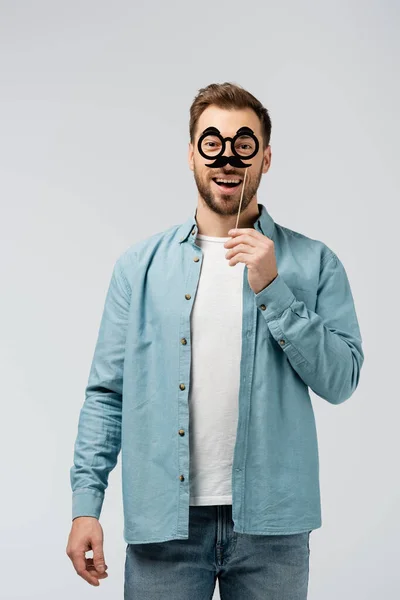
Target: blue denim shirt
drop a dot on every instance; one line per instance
(299, 332)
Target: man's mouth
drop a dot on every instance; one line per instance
(227, 184)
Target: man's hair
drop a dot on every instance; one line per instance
(229, 96)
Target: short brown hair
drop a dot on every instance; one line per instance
(230, 96)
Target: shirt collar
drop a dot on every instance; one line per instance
(264, 224)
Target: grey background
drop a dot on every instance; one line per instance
(94, 110)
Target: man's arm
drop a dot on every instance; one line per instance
(98, 440)
(325, 346)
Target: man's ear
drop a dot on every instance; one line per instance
(190, 156)
(267, 159)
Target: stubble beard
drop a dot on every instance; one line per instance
(226, 204)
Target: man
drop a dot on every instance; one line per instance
(210, 339)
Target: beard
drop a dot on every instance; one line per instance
(227, 204)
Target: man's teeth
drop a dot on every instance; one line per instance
(228, 180)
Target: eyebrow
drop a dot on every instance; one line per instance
(241, 130)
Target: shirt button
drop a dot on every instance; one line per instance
(281, 342)
(193, 232)
(196, 259)
(181, 477)
(181, 432)
(188, 296)
(262, 306)
(183, 341)
(182, 386)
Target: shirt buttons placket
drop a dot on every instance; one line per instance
(184, 342)
(183, 387)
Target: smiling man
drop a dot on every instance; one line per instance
(210, 341)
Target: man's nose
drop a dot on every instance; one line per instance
(228, 148)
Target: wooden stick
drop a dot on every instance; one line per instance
(240, 203)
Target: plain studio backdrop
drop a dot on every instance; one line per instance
(94, 112)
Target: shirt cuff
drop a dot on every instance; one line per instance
(86, 503)
(274, 299)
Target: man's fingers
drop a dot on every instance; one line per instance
(79, 562)
(92, 569)
(98, 556)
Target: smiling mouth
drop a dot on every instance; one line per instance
(226, 186)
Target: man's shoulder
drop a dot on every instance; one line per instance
(304, 244)
(146, 246)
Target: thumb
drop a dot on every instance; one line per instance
(98, 556)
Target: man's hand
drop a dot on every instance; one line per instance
(87, 534)
(257, 251)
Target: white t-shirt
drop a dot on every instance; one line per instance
(216, 337)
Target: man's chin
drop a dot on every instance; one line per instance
(225, 206)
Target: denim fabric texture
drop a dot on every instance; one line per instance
(299, 333)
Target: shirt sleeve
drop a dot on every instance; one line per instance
(325, 346)
(98, 440)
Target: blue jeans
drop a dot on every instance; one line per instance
(248, 567)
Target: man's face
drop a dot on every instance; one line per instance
(226, 202)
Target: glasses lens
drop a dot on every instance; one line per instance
(211, 145)
(245, 145)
